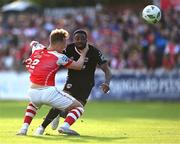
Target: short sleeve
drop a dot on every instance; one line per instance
(100, 58)
(64, 60)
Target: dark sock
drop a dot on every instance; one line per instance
(63, 114)
(53, 113)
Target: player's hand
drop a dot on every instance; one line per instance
(105, 88)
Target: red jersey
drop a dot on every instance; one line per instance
(43, 64)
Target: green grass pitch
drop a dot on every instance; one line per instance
(102, 123)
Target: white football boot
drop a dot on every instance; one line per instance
(39, 131)
(67, 131)
(55, 123)
(22, 132)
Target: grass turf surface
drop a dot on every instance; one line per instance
(102, 122)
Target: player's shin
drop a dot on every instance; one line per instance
(72, 116)
(53, 113)
(30, 113)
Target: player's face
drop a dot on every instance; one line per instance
(80, 40)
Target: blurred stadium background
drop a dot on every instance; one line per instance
(144, 58)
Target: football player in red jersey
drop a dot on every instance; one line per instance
(79, 83)
(43, 65)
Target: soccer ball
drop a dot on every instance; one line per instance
(152, 14)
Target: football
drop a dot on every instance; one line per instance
(151, 14)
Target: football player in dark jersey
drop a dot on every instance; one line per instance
(79, 83)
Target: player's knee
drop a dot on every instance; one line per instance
(81, 109)
(82, 102)
(75, 104)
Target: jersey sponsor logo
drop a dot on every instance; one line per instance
(68, 86)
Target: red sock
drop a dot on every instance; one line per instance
(30, 113)
(73, 115)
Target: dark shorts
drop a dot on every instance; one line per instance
(79, 92)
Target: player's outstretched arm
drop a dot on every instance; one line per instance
(77, 65)
(105, 86)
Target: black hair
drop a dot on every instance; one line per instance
(80, 31)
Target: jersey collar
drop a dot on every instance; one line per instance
(77, 51)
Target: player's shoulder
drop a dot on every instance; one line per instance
(93, 48)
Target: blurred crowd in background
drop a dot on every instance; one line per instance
(124, 38)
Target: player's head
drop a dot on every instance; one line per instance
(58, 39)
(80, 38)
